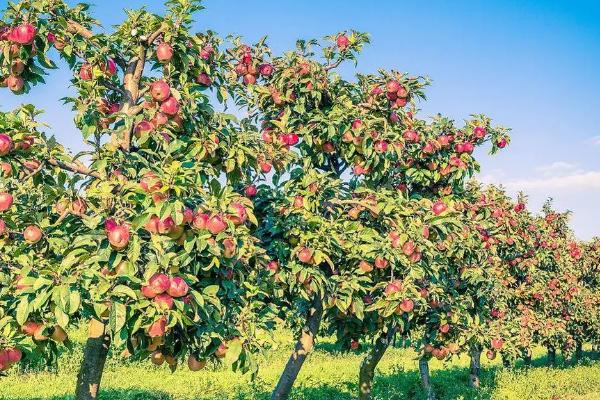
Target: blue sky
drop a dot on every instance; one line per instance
(530, 65)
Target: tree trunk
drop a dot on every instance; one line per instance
(425, 381)
(303, 347)
(368, 365)
(527, 357)
(94, 357)
(475, 369)
(578, 352)
(551, 356)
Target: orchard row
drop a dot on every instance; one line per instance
(183, 233)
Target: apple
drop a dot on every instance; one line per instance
(479, 132)
(393, 287)
(380, 262)
(13, 355)
(164, 52)
(273, 266)
(305, 255)
(407, 305)
(17, 67)
(170, 106)
(86, 72)
(58, 334)
(490, 354)
(250, 191)
(110, 68)
(177, 287)
(497, 344)
(22, 34)
(143, 127)
(342, 42)
(148, 292)
(152, 224)
(408, 248)
(6, 144)
(159, 283)
(194, 364)
(118, 236)
(5, 169)
(381, 146)
(265, 69)
(365, 266)
(501, 143)
(150, 182)
(15, 83)
(160, 90)
(265, 167)
(32, 234)
(445, 328)
(30, 327)
(78, 207)
(229, 246)
(216, 224)
(158, 327)
(157, 358)
(163, 301)
(221, 351)
(241, 215)
(204, 79)
(249, 79)
(200, 221)
(439, 207)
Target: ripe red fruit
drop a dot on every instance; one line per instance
(158, 328)
(178, 287)
(249, 79)
(439, 207)
(6, 144)
(30, 327)
(298, 202)
(365, 266)
(22, 34)
(118, 236)
(328, 147)
(159, 283)
(3, 229)
(497, 344)
(381, 146)
(479, 132)
(150, 182)
(250, 191)
(393, 287)
(342, 42)
(194, 364)
(15, 83)
(502, 143)
(160, 90)
(240, 212)
(164, 52)
(170, 106)
(204, 79)
(265, 167)
(32, 234)
(357, 123)
(5, 169)
(163, 301)
(305, 255)
(148, 292)
(110, 68)
(490, 354)
(86, 72)
(200, 221)
(221, 351)
(265, 69)
(380, 262)
(407, 305)
(13, 355)
(392, 86)
(445, 328)
(216, 224)
(152, 224)
(354, 344)
(6, 201)
(408, 248)
(273, 266)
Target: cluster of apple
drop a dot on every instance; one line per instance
(9, 357)
(163, 289)
(31, 234)
(20, 35)
(250, 68)
(87, 70)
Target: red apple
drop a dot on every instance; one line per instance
(15, 83)
(194, 364)
(32, 234)
(380, 262)
(164, 52)
(407, 305)
(170, 106)
(393, 287)
(497, 344)
(305, 255)
(240, 214)
(22, 34)
(163, 301)
(204, 79)
(439, 207)
(158, 328)
(216, 224)
(250, 191)
(178, 287)
(6, 144)
(6, 201)
(342, 42)
(86, 72)
(159, 283)
(160, 90)
(200, 221)
(118, 236)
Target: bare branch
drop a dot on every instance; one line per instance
(76, 167)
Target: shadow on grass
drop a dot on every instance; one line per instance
(107, 394)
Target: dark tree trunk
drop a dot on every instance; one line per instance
(578, 352)
(551, 356)
(368, 365)
(304, 346)
(527, 357)
(92, 366)
(475, 368)
(425, 380)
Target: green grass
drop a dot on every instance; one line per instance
(326, 375)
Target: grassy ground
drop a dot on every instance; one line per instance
(326, 375)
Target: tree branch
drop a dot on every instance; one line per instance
(76, 167)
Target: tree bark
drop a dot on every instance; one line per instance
(551, 356)
(303, 347)
(527, 357)
(578, 352)
(475, 368)
(369, 363)
(94, 357)
(425, 380)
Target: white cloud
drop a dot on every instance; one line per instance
(579, 180)
(558, 168)
(594, 140)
